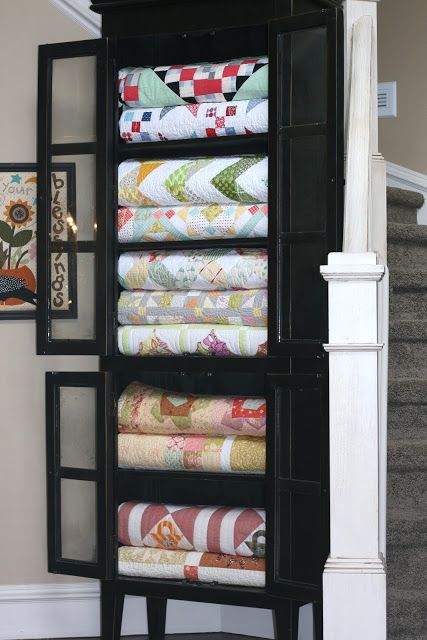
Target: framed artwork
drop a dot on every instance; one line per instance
(18, 241)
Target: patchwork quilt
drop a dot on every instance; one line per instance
(241, 79)
(192, 339)
(206, 270)
(165, 183)
(215, 529)
(145, 409)
(151, 224)
(243, 307)
(208, 120)
(216, 454)
(192, 565)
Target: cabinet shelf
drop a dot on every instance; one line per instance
(223, 146)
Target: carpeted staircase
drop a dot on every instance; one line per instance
(407, 420)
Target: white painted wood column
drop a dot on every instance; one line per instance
(354, 576)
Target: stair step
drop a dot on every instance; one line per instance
(406, 528)
(406, 490)
(407, 567)
(407, 245)
(407, 422)
(407, 391)
(408, 359)
(406, 612)
(408, 330)
(410, 306)
(402, 205)
(408, 280)
(406, 455)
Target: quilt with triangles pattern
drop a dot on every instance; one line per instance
(236, 531)
(241, 79)
(160, 224)
(228, 180)
(207, 120)
(243, 307)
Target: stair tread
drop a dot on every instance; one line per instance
(410, 330)
(404, 198)
(408, 232)
(408, 279)
(407, 391)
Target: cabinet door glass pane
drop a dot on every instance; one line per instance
(74, 100)
(77, 411)
(82, 326)
(73, 208)
(78, 520)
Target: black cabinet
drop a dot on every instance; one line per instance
(304, 42)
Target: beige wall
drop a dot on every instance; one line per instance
(23, 25)
(402, 52)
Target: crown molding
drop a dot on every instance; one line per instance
(78, 10)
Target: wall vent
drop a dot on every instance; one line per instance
(387, 100)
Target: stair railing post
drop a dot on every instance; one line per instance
(354, 581)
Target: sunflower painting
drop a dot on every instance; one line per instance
(18, 240)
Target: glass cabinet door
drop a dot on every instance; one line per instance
(306, 172)
(74, 129)
(297, 480)
(79, 468)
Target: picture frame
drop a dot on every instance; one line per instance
(18, 239)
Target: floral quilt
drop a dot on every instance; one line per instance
(206, 270)
(216, 454)
(145, 409)
(192, 339)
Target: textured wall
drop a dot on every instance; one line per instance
(23, 26)
(402, 51)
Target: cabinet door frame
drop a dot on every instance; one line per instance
(282, 340)
(101, 246)
(280, 487)
(102, 475)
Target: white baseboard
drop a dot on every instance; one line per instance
(72, 611)
(403, 178)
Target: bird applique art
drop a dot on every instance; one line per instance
(15, 287)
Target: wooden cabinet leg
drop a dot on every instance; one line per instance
(285, 620)
(318, 620)
(156, 617)
(111, 610)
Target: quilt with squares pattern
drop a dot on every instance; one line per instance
(192, 339)
(145, 409)
(207, 120)
(237, 531)
(244, 307)
(216, 454)
(165, 183)
(167, 86)
(160, 224)
(206, 270)
(192, 565)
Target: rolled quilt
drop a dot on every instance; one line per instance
(192, 339)
(206, 270)
(230, 454)
(151, 224)
(208, 120)
(215, 529)
(241, 79)
(228, 180)
(145, 409)
(244, 307)
(191, 565)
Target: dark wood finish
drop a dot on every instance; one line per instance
(156, 617)
(303, 39)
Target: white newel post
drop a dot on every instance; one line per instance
(354, 580)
